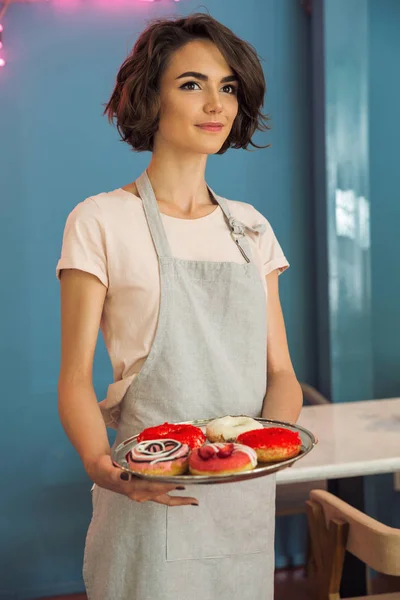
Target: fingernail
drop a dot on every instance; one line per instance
(180, 487)
(194, 504)
(125, 476)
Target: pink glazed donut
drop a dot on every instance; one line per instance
(159, 457)
(222, 459)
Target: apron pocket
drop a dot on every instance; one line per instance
(233, 518)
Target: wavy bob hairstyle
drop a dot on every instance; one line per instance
(134, 105)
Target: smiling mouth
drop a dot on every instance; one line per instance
(213, 128)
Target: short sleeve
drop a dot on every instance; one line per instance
(83, 244)
(270, 250)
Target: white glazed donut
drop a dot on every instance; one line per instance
(227, 429)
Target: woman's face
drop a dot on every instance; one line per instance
(197, 87)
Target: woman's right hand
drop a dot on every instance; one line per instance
(104, 474)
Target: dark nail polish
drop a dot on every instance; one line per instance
(180, 487)
(194, 504)
(125, 476)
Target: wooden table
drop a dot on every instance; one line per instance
(355, 439)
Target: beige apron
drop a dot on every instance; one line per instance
(208, 359)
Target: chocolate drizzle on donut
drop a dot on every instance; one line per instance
(156, 451)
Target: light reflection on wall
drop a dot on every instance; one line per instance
(353, 223)
(352, 217)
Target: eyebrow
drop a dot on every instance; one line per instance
(203, 77)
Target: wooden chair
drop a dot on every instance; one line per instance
(312, 395)
(336, 527)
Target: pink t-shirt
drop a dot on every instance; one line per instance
(107, 235)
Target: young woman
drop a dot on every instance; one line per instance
(182, 283)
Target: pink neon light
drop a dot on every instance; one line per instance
(74, 3)
(67, 3)
(119, 4)
(2, 62)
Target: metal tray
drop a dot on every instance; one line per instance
(307, 438)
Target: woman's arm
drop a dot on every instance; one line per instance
(82, 300)
(284, 398)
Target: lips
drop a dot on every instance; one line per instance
(209, 127)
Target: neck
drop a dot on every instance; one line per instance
(179, 180)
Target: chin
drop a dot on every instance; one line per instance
(211, 148)
(199, 147)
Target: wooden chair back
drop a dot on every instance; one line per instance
(312, 396)
(336, 527)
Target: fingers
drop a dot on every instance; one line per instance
(141, 490)
(175, 500)
(149, 490)
(115, 479)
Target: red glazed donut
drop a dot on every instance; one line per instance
(185, 434)
(222, 459)
(272, 444)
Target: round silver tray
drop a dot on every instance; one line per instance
(307, 438)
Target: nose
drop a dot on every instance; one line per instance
(213, 104)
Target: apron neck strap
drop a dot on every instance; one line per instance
(153, 216)
(236, 227)
(156, 226)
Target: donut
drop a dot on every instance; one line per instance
(272, 444)
(186, 434)
(222, 459)
(159, 457)
(227, 429)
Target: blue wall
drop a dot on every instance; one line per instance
(384, 126)
(340, 132)
(55, 150)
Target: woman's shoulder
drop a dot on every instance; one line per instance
(105, 204)
(117, 197)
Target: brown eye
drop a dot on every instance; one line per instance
(232, 88)
(184, 86)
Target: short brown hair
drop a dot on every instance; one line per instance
(135, 103)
